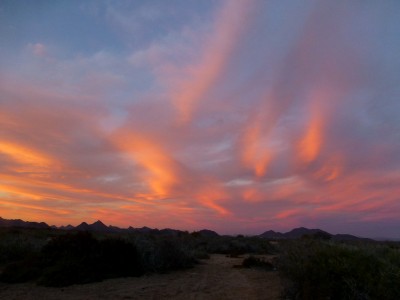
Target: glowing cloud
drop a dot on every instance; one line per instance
(256, 153)
(161, 175)
(310, 145)
(201, 77)
(24, 155)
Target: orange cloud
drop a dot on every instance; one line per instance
(330, 170)
(275, 190)
(310, 144)
(24, 155)
(5, 189)
(255, 153)
(210, 195)
(161, 170)
(200, 77)
(288, 213)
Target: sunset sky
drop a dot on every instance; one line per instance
(237, 116)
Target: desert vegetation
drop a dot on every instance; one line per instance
(323, 269)
(61, 258)
(312, 267)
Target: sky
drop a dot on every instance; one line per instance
(237, 116)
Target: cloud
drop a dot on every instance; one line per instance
(200, 77)
(267, 116)
(38, 49)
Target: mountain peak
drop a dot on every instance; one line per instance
(99, 226)
(98, 222)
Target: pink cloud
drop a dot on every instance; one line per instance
(38, 49)
(200, 77)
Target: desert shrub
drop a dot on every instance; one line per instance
(162, 254)
(80, 258)
(200, 254)
(12, 250)
(21, 271)
(16, 245)
(255, 262)
(77, 258)
(325, 270)
(236, 246)
(173, 256)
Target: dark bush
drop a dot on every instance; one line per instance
(16, 245)
(255, 262)
(80, 258)
(21, 271)
(172, 255)
(324, 270)
(236, 246)
(77, 258)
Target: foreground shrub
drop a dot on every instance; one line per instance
(235, 246)
(324, 270)
(21, 271)
(16, 245)
(77, 258)
(162, 254)
(255, 262)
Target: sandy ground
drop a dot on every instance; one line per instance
(213, 279)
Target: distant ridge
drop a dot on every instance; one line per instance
(22, 224)
(300, 232)
(270, 234)
(208, 233)
(99, 226)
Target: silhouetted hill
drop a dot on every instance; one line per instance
(68, 227)
(22, 224)
(208, 233)
(83, 227)
(300, 232)
(270, 234)
(99, 226)
(348, 237)
(170, 232)
(143, 229)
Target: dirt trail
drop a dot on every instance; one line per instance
(213, 279)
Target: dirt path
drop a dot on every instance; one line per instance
(213, 279)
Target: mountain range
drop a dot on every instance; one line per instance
(302, 231)
(99, 226)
